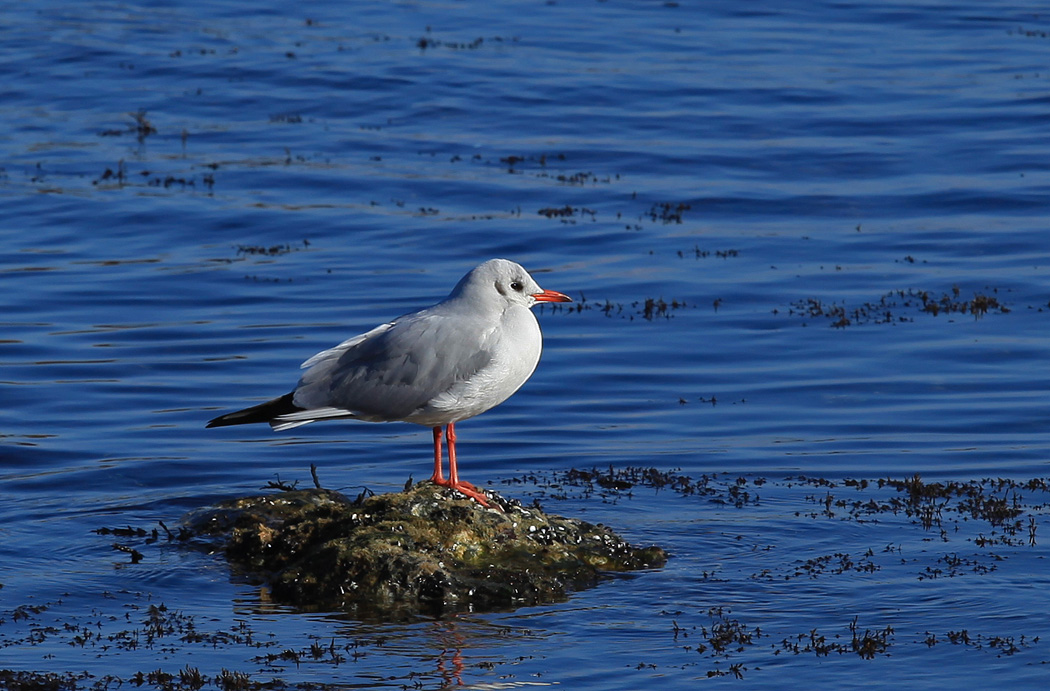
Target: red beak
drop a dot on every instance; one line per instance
(551, 296)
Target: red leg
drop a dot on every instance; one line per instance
(453, 481)
(438, 477)
(453, 471)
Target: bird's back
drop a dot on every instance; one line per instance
(431, 367)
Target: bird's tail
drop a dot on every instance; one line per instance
(264, 412)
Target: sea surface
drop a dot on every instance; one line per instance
(809, 245)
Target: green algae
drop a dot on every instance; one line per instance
(423, 550)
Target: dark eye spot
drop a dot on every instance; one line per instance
(516, 285)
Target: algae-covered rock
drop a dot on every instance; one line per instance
(425, 549)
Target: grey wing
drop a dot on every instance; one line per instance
(394, 370)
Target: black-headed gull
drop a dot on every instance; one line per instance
(435, 367)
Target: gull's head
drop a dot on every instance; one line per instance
(500, 281)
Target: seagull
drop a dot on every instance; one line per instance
(435, 367)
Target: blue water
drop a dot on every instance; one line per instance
(196, 198)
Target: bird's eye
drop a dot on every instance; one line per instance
(516, 285)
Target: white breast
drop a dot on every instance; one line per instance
(517, 344)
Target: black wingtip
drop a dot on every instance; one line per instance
(264, 412)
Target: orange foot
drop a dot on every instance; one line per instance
(466, 489)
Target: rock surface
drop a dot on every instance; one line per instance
(423, 550)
